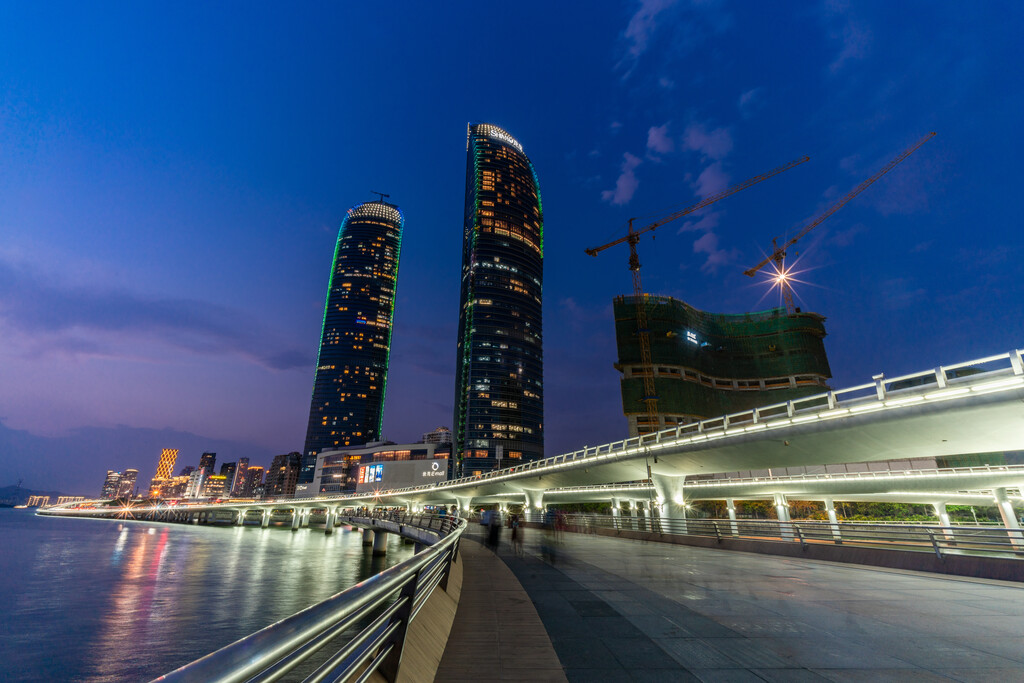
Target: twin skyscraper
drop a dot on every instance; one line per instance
(499, 382)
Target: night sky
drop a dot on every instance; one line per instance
(173, 175)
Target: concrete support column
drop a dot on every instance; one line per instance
(464, 505)
(296, 519)
(380, 542)
(616, 512)
(730, 505)
(265, 519)
(329, 522)
(194, 518)
(671, 503)
(782, 511)
(304, 517)
(633, 512)
(240, 518)
(1009, 517)
(940, 510)
(367, 537)
(534, 501)
(833, 520)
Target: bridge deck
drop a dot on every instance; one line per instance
(620, 610)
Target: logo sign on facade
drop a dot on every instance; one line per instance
(434, 471)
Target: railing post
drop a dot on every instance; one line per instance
(718, 533)
(800, 536)
(452, 555)
(879, 386)
(389, 667)
(935, 544)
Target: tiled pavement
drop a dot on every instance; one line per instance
(622, 610)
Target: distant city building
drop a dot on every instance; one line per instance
(253, 481)
(175, 487)
(282, 475)
(710, 364)
(61, 500)
(38, 501)
(228, 470)
(196, 484)
(126, 489)
(207, 461)
(111, 485)
(187, 470)
(439, 435)
(238, 485)
(346, 470)
(215, 486)
(163, 471)
(352, 367)
(499, 388)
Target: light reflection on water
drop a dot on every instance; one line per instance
(98, 600)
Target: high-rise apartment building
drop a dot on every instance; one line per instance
(228, 471)
(352, 367)
(238, 486)
(164, 468)
(111, 485)
(126, 488)
(499, 391)
(253, 481)
(282, 475)
(207, 461)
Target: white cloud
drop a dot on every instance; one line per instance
(715, 144)
(704, 224)
(627, 183)
(666, 83)
(716, 258)
(712, 180)
(853, 36)
(643, 23)
(749, 99)
(658, 140)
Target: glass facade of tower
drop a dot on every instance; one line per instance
(352, 368)
(499, 402)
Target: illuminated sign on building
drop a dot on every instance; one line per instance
(369, 474)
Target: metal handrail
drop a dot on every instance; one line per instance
(273, 652)
(942, 540)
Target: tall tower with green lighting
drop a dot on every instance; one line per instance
(499, 390)
(355, 344)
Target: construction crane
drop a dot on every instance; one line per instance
(778, 254)
(632, 236)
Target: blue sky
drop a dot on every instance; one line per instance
(172, 178)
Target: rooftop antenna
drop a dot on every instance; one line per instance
(382, 196)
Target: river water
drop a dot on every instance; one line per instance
(102, 600)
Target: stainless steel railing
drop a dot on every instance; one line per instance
(942, 540)
(351, 634)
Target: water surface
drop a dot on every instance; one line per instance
(101, 600)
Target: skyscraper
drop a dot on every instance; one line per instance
(207, 462)
(164, 468)
(499, 390)
(352, 368)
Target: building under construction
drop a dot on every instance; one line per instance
(709, 364)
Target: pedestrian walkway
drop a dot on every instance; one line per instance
(623, 610)
(497, 635)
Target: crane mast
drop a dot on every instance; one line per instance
(632, 237)
(778, 254)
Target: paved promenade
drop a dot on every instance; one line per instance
(621, 610)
